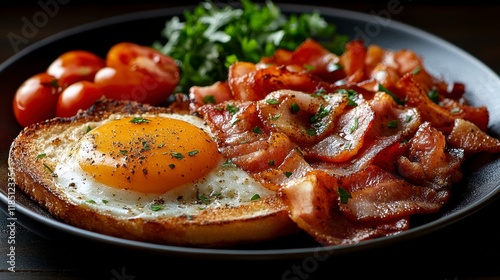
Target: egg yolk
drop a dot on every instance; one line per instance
(149, 155)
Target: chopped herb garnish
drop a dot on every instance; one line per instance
(40, 156)
(272, 101)
(408, 118)
(88, 129)
(294, 108)
(347, 145)
(322, 112)
(138, 120)
(271, 162)
(257, 130)
(396, 99)
(231, 109)
(308, 67)
(172, 166)
(209, 99)
(392, 124)
(204, 199)
(146, 146)
(49, 169)
(343, 195)
(255, 197)
(177, 155)
(351, 94)
(311, 132)
(157, 207)
(354, 126)
(275, 117)
(416, 70)
(433, 96)
(105, 201)
(287, 174)
(193, 153)
(90, 201)
(228, 163)
(319, 93)
(123, 152)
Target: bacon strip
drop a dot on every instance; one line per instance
(313, 201)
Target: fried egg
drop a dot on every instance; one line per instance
(151, 166)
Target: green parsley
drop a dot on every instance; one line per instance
(343, 195)
(272, 101)
(157, 207)
(322, 112)
(176, 155)
(206, 40)
(392, 124)
(138, 120)
(228, 163)
(209, 99)
(257, 130)
(204, 199)
(255, 197)
(433, 96)
(146, 146)
(351, 94)
(40, 156)
(294, 108)
(193, 153)
(354, 125)
(231, 109)
(384, 89)
(416, 70)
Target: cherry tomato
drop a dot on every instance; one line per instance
(74, 66)
(139, 73)
(35, 100)
(79, 95)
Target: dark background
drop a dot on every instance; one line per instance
(472, 26)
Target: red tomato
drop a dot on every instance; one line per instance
(79, 95)
(35, 100)
(138, 73)
(74, 66)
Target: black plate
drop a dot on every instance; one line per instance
(481, 178)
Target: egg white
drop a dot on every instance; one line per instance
(223, 187)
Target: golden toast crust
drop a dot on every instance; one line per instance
(253, 222)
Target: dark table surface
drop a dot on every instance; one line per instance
(467, 249)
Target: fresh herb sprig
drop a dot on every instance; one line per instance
(209, 38)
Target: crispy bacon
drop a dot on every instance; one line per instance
(249, 83)
(304, 117)
(215, 93)
(429, 161)
(469, 137)
(352, 160)
(378, 195)
(314, 201)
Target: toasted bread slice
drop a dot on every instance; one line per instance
(250, 222)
